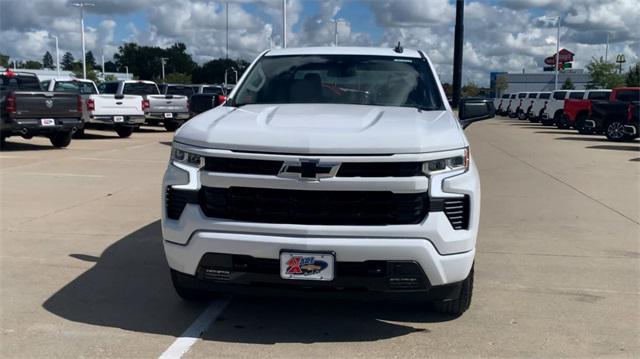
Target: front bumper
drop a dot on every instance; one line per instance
(34, 127)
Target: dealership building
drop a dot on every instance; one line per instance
(538, 81)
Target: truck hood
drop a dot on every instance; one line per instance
(323, 129)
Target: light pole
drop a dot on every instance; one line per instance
(457, 53)
(163, 60)
(606, 50)
(57, 56)
(227, 6)
(557, 20)
(126, 68)
(82, 5)
(335, 35)
(284, 24)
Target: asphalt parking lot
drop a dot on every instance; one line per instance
(82, 272)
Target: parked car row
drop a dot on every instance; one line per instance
(613, 113)
(62, 109)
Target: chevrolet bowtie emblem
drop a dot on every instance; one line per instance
(308, 170)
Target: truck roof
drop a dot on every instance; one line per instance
(338, 50)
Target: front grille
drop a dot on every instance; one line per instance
(314, 207)
(176, 200)
(243, 166)
(347, 169)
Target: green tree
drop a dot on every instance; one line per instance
(470, 90)
(110, 78)
(32, 65)
(568, 84)
(603, 74)
(212, 72)
(4, 60)
(47, 61)
(502, 84)
(91, 61)
(633, 76)
(67, 61)
(144, 61)
(110, 66)
(178, 78)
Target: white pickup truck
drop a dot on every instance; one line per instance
(170, 110)
(554, 110)
(538, 104)
(330, 169)
(118, 112)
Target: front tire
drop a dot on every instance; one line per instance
(580, 125)
(61, 139)
(124, 132)
(186, 287)
(522, 116)
(459, 305)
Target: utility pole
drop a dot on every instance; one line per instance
(227, 6)
(457, 53)
(126, 68)
(335, 41)
(57, 56)
(557, 53)
(284, 24)
(103, 76)
(163, 61)
(82, 5)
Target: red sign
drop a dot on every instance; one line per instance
(565, 56)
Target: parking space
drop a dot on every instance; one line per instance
(557, 270)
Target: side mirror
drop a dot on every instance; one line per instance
(474, 109)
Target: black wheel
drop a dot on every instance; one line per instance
(3, 141)
(61, 139)
(580, 125)
(124, 132)
(459, 305)
(171, 126)
(522, 116)
(560, 120)
(187, 287)
(615, 132)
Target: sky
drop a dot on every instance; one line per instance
(500, 35)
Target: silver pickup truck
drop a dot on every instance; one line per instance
(170, 110)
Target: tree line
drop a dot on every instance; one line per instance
(144, 62)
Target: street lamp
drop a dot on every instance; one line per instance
(284, 24)
(163, 61)
(557, 20)
(82, 5)
(227, 6)
(336, 22)
(57, 56)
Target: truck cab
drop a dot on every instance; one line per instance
(577, 110)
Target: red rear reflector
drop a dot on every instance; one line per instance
(11, 103)
(9, 73)
(91, 105)
(145, 105)
(220, 99)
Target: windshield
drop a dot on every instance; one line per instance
(341, 79)
(140, 88)
(74, 87)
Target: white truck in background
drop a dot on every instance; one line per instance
(541, 100)
(552, 114)
(170, 110)
(122, 113)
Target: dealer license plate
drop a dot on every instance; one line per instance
(307, 266)
(118, 118)
(168, 115)
(48, 122)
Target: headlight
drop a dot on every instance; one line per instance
(447, 164)
(187, 158)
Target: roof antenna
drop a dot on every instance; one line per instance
(398, 48)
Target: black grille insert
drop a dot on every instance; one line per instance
(347, 169)
(176, 200)
(314, 207)
(456, 210)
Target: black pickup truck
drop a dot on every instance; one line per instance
(26, 110)
(619, 117)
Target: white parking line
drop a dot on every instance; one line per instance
(57, 174)
(195, 330)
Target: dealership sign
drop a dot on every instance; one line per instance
(565, 56)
